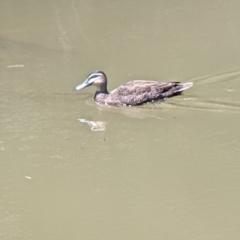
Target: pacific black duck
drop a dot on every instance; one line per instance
(131, 93)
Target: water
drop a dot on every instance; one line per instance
(167, 170)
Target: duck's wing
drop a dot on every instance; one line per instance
(140, 91)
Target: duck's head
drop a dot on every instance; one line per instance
(96, 78)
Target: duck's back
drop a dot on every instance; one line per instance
(140, 91)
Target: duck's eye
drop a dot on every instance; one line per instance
(91, 77)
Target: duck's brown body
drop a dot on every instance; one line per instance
(132, 93)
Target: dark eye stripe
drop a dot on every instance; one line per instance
(94, 76)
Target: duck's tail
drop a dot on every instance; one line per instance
(183, 86)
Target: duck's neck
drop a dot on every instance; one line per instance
(101, 89)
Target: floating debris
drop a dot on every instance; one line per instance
(95, 125)
(15, 66)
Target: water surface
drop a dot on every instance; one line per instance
(167, 170)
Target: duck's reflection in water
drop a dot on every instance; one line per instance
(94, 125)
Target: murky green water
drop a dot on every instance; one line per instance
(71, 169)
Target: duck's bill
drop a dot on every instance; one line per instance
(81, 86)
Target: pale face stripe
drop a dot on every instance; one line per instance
(92, 77)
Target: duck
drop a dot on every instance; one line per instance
(132, 93)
